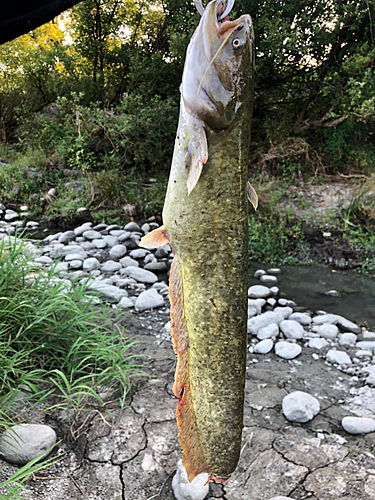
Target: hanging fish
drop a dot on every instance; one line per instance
(205, 222)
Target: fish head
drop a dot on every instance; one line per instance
(218, 72)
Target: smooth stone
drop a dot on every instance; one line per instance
(110, 240)
(110, 292)
(117, 251)
(66, 237)
(318, 343)
(110, 266)
(268, 278)
(163, 251)
(368, 345)
(91, 264)
(150, 258)
(21, 443)
(302, 318)
(128, 261)
(347, 339)
(291, 329)
(363, 353)
(140, 275)
(284, 311)
(358, 425)
(287, 350)
(113, 227)
(132, 227)
(263, 347)
(75, 256)
(139, 253)
(100, 227)
(60, 267)
(274, 290)
(265, 319)
(257, 304)
(92, 235)
(286, 302)
(259, 292)
(145, 227)
(10, 215)
(126, 303)
(148, 299)
(124, 236)
(184, 490)
(116, 232)
(267, 332)
(156, 266)
(78, 231)
(272, 302)
(259, 272)
(88, 245)
(343, 323)
(274, 270)
(369, 336)
(338, 357)
(328, 331)
(99, 243)
(43, 260)
(332, 293)
(299, 406)
(75, 264)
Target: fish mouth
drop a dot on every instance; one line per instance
(224, 25)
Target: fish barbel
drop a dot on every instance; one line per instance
(205, 222)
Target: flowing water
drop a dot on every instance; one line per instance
(306, 285)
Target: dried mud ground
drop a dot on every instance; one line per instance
(107, 453)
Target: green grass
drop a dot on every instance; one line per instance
(56, 339)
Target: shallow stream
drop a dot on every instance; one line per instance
(306, 285)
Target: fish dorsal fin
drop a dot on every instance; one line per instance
(155, 239)
(252, 195)
(196, 149)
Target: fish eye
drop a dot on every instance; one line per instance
(237, 43)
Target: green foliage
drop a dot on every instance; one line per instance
(275, 239)
(49, 326)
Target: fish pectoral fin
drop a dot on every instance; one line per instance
(155, 239)
(252, 195)
(197, 155)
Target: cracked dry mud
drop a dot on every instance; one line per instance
(131, 454)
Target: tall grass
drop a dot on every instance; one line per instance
(55, 338)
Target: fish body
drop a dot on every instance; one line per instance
(205, 222)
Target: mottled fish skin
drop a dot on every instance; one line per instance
(208, 231)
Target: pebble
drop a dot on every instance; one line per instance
(265, 319)
(318, 343)
(92, 235)
(366, 344)
(149, 299)
(110, 266)
(110, 292)
(287, 350)
(110, 240)
(268, 278)
(126, 303)
(66, 237)
(132, 226)
(124, 236)
(347, 339)
(21, 443)
(328, 331)
(118, 251)
(263, 347)
(259, 273)
(140, 275)
(156, 266)
(91, 264)
(332, 293)
(302, 318)
(184, 490)
(274, 270)
(259, 292)
(358, 425)
(75, 256)
(99, 243)
(78, 231)
(75, 264)
(300, 407)
(291, 329)
(128, 261)
(338, 357)
(139, 253)
(268, 332)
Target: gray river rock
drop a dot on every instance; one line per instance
(300, 407)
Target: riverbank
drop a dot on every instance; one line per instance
(131, 452)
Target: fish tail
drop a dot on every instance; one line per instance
(193, 457)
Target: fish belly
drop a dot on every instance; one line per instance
(208, 232)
